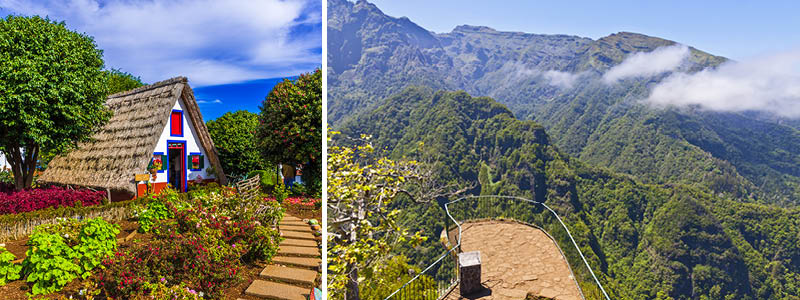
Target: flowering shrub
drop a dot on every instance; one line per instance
(12, 202)
(8, 271)
(201, 261)
(202, 246)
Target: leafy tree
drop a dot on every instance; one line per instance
(362, 228)
(290, 126)
(52, 91)
(234, 137)
(118, 81)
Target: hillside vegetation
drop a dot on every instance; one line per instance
(646, 240)
(556, 80)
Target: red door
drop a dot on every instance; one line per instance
(176, 174)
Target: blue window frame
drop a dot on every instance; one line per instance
(189, 162)
(173, 128)
(163, 161)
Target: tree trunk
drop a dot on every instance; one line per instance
(352, 285)
(23, 165)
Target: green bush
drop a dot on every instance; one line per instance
(268, 179)
(280, 192)
(298, 189)
(50, 264)
(98, 240)
(8, 271)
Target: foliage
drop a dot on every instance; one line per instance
(8, 271)
(290, 126)
(62, 251)
(362, 229)
(268, 179)
(41, 198)
(50, 263)
(280, 192)
(298, 189)
(98, 239)
(383, 279)
(48, 214)
(154, 211)
(6, 179)
(52, 91)
(119, 81)
(201, 246)
(644, 241)
(234, 136)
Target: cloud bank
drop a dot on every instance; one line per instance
(211, 42)
(769, 83)
(645, 64)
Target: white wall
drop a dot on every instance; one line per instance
(3, 163)
(192, 145)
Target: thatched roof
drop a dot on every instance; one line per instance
(125, 145)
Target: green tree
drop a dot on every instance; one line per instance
(290, 126)
(363, 224)
(118, 81)
(52, 91)
(234, 136)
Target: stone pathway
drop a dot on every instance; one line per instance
(294, 269)
(517, 259)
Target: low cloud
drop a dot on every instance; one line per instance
(211, 42)
(215, 101)
(769, 83)
(645, 64)
(561, 79)
(517, 72)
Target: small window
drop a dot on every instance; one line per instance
(196, 162)
(176, 123)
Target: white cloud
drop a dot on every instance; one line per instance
(515, 72)
(769, 83)
(209, 41)
(643, 64)
(561, 79)
(215, 101)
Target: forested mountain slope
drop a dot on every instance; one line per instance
(557, 81)
(649, 241)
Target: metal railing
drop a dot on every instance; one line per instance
(518, 209)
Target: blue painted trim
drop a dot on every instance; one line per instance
(160, 153)
(170, 120)
(185, 173)
(189, 163)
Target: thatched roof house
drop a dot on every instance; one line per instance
(146, 120)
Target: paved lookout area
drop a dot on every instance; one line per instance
(516, 259)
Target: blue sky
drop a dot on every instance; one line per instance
(734, 29)
(231, 51)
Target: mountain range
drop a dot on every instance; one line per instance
(560, 81)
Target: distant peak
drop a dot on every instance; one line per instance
(472, 28)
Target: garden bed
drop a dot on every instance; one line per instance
(210, 242)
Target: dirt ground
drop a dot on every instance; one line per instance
(517, 259)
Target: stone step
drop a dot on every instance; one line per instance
(300, 228)
(299, 251)
(294, 223)
(306, 262)
(289, 274)
(291, 218)
(297, 235)
(277, 290)
(297, 242)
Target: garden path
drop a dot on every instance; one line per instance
(294, 269)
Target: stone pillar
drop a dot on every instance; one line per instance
(469, 264)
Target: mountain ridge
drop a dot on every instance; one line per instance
(556, 80)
